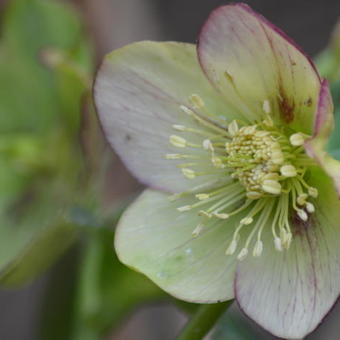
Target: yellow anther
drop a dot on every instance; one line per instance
(202, 197)
(313, 192)
(271, 186)
(242, 254)
(184, 208)
(232, 248)
(310, 207)
(204, 213)
(301, 199)
(272, 175)
(207, 145)
(233, 128)
(246, 220)
(253, 195)
(197, 230)
(268, 121)
(261, 134)
(221, 216)
(258, 248)
(297, 139)
(196, 101)
(278, 243)
(189, 173)
(302, 214)
(248, 130)
(277, 157)
(179, 127)
(288, 170)
(178, 141)
(286, 238)
(274, 146)
(187, 110)
(217, 162)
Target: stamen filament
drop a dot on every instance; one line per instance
(261, 173)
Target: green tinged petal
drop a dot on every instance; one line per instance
(155, 239)
(40, 163)
(25, 254)
(138, 93)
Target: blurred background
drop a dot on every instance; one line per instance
(62, 189)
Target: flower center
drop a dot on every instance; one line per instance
(255, 157)
(256, 171)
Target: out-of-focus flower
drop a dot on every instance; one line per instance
(236, 133)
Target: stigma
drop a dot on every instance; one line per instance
(256, 170)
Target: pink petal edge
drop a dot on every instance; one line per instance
(261, 18)
(266, 330)
(323, 126)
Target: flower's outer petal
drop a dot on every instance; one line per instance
(138, 92)
(323, 126)
(290, 292)
(242, 53)
(155, 239)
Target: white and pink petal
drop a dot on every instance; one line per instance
(243, 54)
(289, 293)
(138, 93)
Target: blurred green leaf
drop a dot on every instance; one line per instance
(23, 257)
(328, 61)
(34, 231)
(30, 99)
(45, 69)
(334, 141)
(108, 290)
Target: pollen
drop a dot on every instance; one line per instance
(251, 172)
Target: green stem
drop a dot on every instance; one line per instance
(203, 320)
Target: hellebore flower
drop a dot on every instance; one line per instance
(235, 135)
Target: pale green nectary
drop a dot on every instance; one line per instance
(229, 135)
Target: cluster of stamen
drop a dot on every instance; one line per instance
(255, 171)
